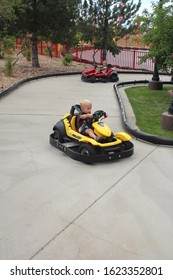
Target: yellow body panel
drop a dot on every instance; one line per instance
(123, 136)
(102, 129)
(72, 133)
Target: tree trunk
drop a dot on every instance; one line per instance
(155, 73)
(104, 54)
(35, 61)
(105, 33)
(171, 74)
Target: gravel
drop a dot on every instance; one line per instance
(23, 69)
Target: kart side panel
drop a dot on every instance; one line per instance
(123, 136)
(71, 149)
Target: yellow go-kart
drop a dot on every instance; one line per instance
(66, 138)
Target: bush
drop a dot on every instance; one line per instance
(6, 45)
(2, 51)
(27, 54)
(8, 66)
(49, 51)
(67, 59)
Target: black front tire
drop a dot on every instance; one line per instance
(86, 149)
(92, 79)
(126, 145)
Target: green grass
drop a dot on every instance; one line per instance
(148, 106)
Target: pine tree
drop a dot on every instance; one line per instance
(50, 19)
(103, 22)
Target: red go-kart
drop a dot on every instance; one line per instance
(108, 76)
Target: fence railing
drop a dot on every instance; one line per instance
(43, 48)
(126, 59)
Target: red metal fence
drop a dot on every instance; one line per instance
(126, 59)
(43, 46)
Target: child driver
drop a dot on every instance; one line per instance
(85, 120)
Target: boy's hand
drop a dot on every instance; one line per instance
(83, 117)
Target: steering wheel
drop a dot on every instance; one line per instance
(99, 114)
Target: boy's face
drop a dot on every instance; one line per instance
(86, 108)
(104, 62)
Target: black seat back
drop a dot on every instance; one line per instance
(75, 109)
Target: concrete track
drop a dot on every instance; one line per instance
(53, 207)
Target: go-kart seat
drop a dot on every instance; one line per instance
(73, 123)
(75, 110)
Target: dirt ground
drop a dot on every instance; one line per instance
(23, 69)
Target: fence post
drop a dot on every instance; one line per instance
(77, 53)
(56, 50)
(134, 59)
(101, 61)
(15, 43)
(41, 48)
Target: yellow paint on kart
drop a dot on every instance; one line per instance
(102, 129)
(123, 136)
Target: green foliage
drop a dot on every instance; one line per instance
(148, 106)
(49, 51)
(6, 43)
(54, 20)
(103, 22)
(27, 54)
(8, 70)
(157, 28)
(67, 59)
(7, 14)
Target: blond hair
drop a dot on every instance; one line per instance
(84, 103)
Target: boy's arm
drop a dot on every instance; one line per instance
(84, 116)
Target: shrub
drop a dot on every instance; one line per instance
(2, 51)
(8, 66)
(67, 59)
(27, 54)
(6, 45)
(49, 51)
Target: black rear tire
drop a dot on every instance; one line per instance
(57, 135)
(114, 78)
